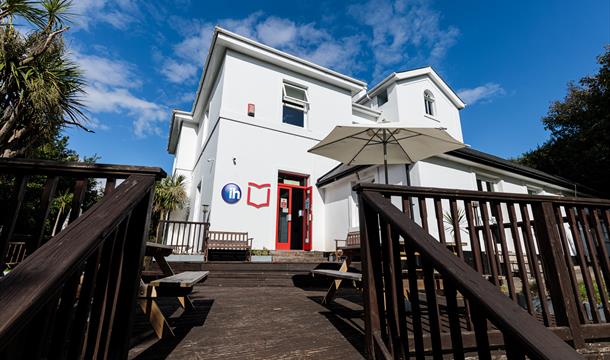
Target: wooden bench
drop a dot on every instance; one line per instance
(172, 285)
(227, 240)
(351, 242)
(15, 254)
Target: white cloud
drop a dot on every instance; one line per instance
(107, 71)
(119, 14)
(111, 83)
(404, 33)
(481, 93)
(304, 40)
(146, 115)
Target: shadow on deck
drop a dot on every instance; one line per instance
(257, 323)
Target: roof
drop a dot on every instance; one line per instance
(409, 74)
(178, 117)
(470, 154)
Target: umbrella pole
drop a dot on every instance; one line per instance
(385, 156)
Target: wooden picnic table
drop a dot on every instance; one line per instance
(171, 285)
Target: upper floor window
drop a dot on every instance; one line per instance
(382, 98)
(429, 103)
(295, 104)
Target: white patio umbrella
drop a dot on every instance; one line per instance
(384, 143)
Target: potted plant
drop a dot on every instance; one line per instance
(261, 255)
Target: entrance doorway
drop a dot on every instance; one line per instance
(293, 213)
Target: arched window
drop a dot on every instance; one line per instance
(429, 103)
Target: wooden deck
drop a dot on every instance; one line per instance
(259, 323)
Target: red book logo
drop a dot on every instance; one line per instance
(258, 195)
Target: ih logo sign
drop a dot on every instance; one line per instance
(231, 193)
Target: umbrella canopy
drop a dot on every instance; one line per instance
(384, 143)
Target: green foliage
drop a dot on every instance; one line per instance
(40, 87)
(169, 195)
(260, 252)
(57, 149)
(579, 146)
(582, 292)
(461, 220)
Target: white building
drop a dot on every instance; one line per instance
(243, 147)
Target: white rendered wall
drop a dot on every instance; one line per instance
(248, 80)
(249, 153)
(410, 105)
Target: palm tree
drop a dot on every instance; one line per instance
(61, 204)
(40, 88)
(169, 195)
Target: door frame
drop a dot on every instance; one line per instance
(306, 214)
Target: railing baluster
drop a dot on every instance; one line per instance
(100, 299)
(432, 307)
(514, 230)
(455, 222)
(503, 244)
(80, 188)
(423, 213)
(568, 258)
(532, 258)
(110, 185)
(601, 246)
(83, 309)
(393, 289)
(490, 247)
(65, 317)
(8, 230)
(556, 272)
(480, 331)
(474, 238)
(438, 210)
(594, 261)
(371, 278)
(46, 199)
(455, 328)
(582, 262)
(415, 302)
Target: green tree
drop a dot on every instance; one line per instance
(579, 146)
(40, 87)
(169, 195)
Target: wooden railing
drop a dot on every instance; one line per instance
(480, 271)
(29, 188)
(186, 237)
(74, 297)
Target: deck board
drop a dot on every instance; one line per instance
(260, 323)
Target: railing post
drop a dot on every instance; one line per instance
(556, 271)
(134, 249)
(369, 253)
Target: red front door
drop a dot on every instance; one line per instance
(293, 217)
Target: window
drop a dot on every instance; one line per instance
(429, 103)
(485, 185)
(382, 98)
(295, 104)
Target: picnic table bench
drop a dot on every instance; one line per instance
(228, 240)
(171, 285)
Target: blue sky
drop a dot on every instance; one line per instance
(508, 60)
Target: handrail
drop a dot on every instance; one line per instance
(523, 334)
(477, 195)
(98, 257)
(53, 178)
(91, 170)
